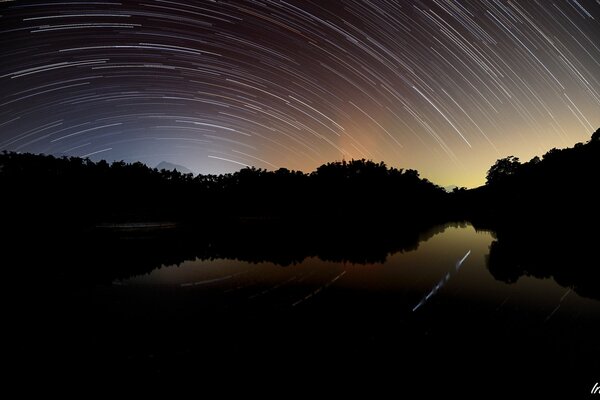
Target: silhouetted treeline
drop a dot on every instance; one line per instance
(74, 191)
(51, 192)
(558, 189)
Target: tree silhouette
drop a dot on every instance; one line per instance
(502, 169)
(87, 193)
(74, 192)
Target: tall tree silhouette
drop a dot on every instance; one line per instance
(502, 168)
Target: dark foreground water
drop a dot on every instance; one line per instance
(435, 315)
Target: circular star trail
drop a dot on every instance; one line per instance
(445, 87)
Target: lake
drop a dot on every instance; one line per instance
(430, 307)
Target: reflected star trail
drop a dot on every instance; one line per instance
(445, 87)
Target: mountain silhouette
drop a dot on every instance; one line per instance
(173, 167)
(450, 188)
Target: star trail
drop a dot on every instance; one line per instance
(445, 87)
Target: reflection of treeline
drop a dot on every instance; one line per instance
(78, 190)
(569, 256)
(102, 256)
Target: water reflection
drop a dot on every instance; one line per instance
(568, 256)
(447, 260)
(112, 255)
(355, 299)
(353, 312)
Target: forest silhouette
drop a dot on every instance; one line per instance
(73, 192)
(357, 211)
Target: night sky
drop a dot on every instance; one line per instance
(445, 87)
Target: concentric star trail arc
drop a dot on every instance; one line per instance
(444, 87)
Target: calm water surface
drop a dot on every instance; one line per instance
(449, 266)
(425, 309)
